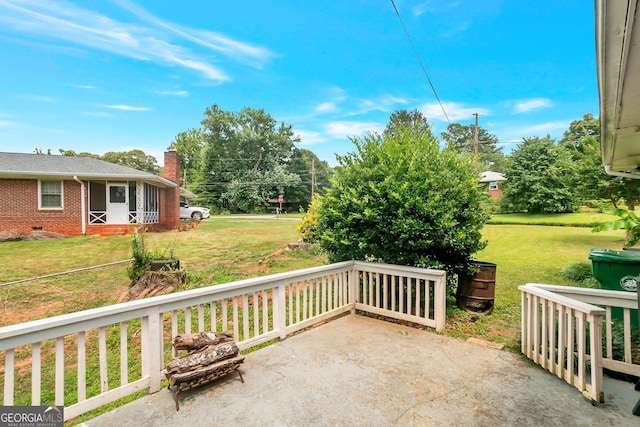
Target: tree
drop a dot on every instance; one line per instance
(189, 146)
(312, 171)
(81, 154)
(462, 138)
(244, 158)
(581, 134)
(400, 198)
(135, 159)
(582, 140)
(413, 119)
(540, 178)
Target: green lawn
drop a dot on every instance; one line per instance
(219, 250)
(580, 219)
(226, 248)
(529, 254)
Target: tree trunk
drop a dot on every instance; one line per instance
(631, 204)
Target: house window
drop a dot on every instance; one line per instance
(493, 185)
(50, 195)
(117, 194)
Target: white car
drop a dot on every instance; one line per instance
(195, 213)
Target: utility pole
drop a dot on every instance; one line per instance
(313, 177)
(475, 142)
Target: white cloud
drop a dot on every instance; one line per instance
(385, 104)
(530, 130)
(88, 87)
(326, 107)
(151, 39)
(6, 124)
(532, 104)
(172, 92)
(310, 137)
(422, 8)
(39, 98)
(123, 107)
(342, 129)
(460, 27)
(455, 111)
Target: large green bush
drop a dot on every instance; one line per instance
(401, 199)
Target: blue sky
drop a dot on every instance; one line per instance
(117, 75)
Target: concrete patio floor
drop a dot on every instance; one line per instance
(366, 372)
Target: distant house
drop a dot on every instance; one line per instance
(491, 180)
(75, 195)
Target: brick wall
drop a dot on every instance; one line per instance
(170, 197)
(19, 211)
(19, 206)
(494, 194)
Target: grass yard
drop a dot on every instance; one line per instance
(526, 254)
(579, 219)
(223, 249)
(219, 250)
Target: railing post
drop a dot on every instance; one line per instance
(353, 288)
(152, 351)
(440, 303)
(524, 322)
(595, 341)
(279, 311)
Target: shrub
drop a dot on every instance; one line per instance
(141, 256)
(628, 221)
(578, 271)
(591, 282)
(402, 199)
(308, 226)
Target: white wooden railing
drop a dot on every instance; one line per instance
(562, 331)
(87, 359)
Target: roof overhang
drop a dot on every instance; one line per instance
(187, 194)
(618, 65)
(151, 179)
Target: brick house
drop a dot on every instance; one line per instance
(490, 180)
(75, 195)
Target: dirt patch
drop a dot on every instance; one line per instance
(263, 265)
(14, 236)
(18, 313)
(502, 331)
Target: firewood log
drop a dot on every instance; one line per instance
(201, 339)
(203, 357)
(214, 370)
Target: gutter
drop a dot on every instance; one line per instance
(83, 205)
(607, 169)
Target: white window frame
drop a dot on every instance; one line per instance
(40, 194)
(493, 185)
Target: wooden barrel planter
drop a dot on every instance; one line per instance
(476, 294)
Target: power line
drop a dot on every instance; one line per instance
(424, 70)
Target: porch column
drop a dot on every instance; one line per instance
(140, 203)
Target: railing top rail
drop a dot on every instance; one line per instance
(37, 330)
(535, 289)
(399, 269)
(596, 296)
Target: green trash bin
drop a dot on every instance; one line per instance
(617, 271)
